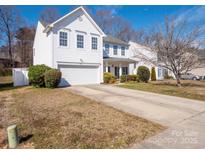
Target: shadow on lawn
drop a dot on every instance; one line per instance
(25, 138)
(7, 86)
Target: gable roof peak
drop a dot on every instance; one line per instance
(69, 14)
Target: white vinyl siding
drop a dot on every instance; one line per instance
(80, 41)
(63, 39)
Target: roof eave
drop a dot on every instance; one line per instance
(89, 17)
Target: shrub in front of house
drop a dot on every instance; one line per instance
(143, 73)
(153, 74)
(127, 78)
(123, 78)
(168, 77)
(36, 75)
(109, 78)
(52, 78)
(132, 78)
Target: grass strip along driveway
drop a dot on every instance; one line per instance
(56, 118)
(189, 89)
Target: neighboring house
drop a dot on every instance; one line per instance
(5, 62)
(73, 44)
(200, 70)
(5, 59)
(144, 56)
(116, 57)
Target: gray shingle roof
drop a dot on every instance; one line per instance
(113, 40)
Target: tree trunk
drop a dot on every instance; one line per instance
(10, 47)
(178, 81)
(10, 55)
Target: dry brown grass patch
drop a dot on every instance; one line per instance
(59, 119)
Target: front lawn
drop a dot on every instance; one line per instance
(57, 118)
(189, 89)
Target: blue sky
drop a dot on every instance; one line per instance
(138, 16)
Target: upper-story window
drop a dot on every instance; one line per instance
(63, 39)
(80, 41)
(122, 51)
(94, 43)
(115, 50)
(107, 48)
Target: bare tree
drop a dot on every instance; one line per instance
(49, 15)
(9, 23)
(177, 45)
(24, 45)
(114, 25)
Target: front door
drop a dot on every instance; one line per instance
(117, 72)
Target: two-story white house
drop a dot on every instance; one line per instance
(74, 45)
(77, 46)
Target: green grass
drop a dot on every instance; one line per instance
(189, 89)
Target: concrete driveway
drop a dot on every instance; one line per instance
(184, 118)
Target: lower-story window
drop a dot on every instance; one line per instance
(124, 70)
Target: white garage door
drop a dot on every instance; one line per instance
(77, 75)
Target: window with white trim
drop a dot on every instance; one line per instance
(80, 41)
(107, 48)
(94, 43)
(63, 39)
(115, 50)
(124, 70)
(122, 51)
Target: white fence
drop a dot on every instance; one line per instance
(20, 77)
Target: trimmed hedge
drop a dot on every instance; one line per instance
(132, 78)
(143, 73)
(109, 78)
(153, 74)
(127, 78)
(36, 75)
(52, 78)
(123, 78)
